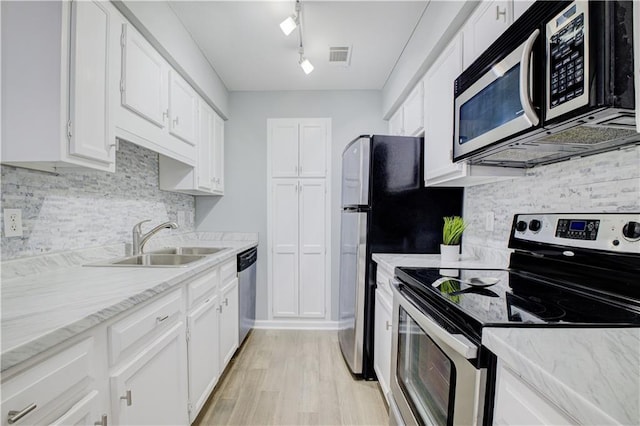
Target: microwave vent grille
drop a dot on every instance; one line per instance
(586, 135)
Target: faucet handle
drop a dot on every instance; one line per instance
(138, 226)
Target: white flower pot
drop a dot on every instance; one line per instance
(449, 253)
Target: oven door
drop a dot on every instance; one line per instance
(497, 105)
(433, 381)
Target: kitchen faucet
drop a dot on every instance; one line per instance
(140, 239)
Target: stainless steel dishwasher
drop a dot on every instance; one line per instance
(247, 291)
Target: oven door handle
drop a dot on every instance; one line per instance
(525, 80)
(457, 342)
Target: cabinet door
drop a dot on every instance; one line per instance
(382, 341)
(183, 109)
(516, 403)
(284, 218)
(438, 138)
(521, 6)
(312, 248)
(203, 351)
(396, 123)
(217, 157)
(90, 118)
(152, 388)
(313, 148)
(413, 110)
(205, 179)
(144, 83)
(283, 139)
(486, 24)
(85, 412)
(228, 322)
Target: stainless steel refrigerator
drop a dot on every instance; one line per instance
(385, 209)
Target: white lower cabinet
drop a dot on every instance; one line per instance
(518, 403)
(151, 389)
(59, 389)
(228, 321)
(382, 340)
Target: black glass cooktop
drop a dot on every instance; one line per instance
(516, 299)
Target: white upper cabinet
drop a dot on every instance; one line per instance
(206, 177)
(183, 109)
(298, 147)
(413, 111)
(485, 25)
(144, 78)
(60, 81)
(159, 109)
(521, 6)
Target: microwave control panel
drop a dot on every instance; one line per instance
(567, 59)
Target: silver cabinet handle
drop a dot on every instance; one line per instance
(525, 99)
(127, 397)
(226, 301)
(499, 14)
(176, 121)
(160, 319)
(165, 115)
(14, 416)
(296, 169)
(102, 422)
(388, 325)
(219, 309)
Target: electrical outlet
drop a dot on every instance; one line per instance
(489, 218)
(12, 222)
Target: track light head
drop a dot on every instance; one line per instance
(306, 65)
(288, 25)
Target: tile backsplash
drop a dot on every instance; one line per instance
(608, 182)
(84, 208)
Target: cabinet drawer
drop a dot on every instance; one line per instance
(51, 387)
(202, 286)
(228, 271)
(143, 324)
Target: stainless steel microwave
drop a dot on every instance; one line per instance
(559, 83)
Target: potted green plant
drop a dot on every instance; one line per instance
(452, 231)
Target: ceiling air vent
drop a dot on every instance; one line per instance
(340, 55)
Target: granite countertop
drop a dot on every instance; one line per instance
(391, 261)
(593, 374)
(48, 299)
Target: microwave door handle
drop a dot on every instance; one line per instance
(525, 80)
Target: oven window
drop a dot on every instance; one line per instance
(493, 106)
(425, 374)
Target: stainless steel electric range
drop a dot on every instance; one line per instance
(567, 270)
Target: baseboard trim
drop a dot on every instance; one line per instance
(296, 325)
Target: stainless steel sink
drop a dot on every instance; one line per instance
(154, 260)
(189, 250)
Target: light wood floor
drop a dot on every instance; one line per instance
(292, 378)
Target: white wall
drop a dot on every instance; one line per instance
(244, 208)
(160, 25)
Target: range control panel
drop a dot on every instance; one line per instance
(616, 232)
(577, 229)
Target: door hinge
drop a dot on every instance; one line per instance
(188, 334)
(69, 130)
(122, 85)
(190, 407)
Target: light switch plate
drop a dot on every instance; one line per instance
(12, 222)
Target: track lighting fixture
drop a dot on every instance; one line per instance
(287, 26)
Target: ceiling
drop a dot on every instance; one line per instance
(243, 42)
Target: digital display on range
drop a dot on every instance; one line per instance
(577, 225)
